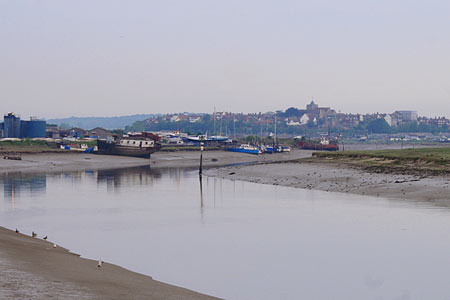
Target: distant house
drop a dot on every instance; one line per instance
(52, 131)
(75, 132)
(291, 122)
(304, 119)
(99, 133)
(394, 119)
(175, 119)
(194, 119)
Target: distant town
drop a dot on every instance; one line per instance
(312, 120)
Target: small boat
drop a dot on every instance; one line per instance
(268, 149)
(285, 149)
(246, 148)
(77, 148)
(219, 138)
(198, 138)
(323, 144)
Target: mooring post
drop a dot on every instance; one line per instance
(201, 159)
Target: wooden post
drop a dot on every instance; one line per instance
(201, 159)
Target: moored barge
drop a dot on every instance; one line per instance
(129, 146)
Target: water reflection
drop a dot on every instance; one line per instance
(239, 240)
(116, 178)
(16, 183)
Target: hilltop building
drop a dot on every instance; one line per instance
(320, 112)
(408, 115)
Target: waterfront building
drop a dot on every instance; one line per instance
(11, 126)
(34, 128)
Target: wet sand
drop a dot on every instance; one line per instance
(31, 268)
(66, 162)
(336, 177)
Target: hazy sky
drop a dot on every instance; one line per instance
(104, 58)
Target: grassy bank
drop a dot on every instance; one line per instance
(26, 146)
(428, 160)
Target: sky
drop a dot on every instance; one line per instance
(107, 58)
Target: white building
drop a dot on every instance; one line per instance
(408, 115)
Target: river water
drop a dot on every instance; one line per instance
(238, 240)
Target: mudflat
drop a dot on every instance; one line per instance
(409, 180)
(66, 162)
(31, 268)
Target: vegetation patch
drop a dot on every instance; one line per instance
(407, 161)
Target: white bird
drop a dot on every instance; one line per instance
(54, 245)
(100, 263)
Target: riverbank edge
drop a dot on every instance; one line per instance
(320, 174)
(57, 266)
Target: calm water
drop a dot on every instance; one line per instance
(239, 240)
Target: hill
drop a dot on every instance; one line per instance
(105, 122)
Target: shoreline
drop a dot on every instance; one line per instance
(334, 176)
(67, 162)
(31, 268)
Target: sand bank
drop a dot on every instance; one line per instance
(31, 268)
(62, 162)
(335, 177)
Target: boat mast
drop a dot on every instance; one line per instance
(276, 142)
(214, 120)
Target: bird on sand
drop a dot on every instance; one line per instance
(54, 245)
(34, 234)
(17, 231)
(100, 263)
(45, 237)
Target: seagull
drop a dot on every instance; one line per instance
(45, 237)
(100, 263)
(17, 231)
(54, 245)
(34, 234)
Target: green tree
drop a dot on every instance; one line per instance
(378, 126)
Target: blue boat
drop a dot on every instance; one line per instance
(246, 148)
(268, 149)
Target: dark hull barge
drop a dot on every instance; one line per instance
(318, 146)
(128, 147)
